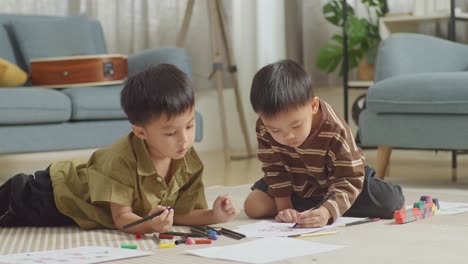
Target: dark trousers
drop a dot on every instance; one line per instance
(28, 200)
(377, 198)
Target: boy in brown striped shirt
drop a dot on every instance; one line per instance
(307, 151)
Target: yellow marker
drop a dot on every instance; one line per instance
(167, 245)
(314, 234)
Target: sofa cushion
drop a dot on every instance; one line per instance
(6, 50)
(11, 75)
(33, 106)
(96, 103)
(425, 93)
(59, 37)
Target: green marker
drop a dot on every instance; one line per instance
(129, 246)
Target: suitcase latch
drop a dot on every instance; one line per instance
(108, 69)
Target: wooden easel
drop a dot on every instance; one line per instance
(218, 38)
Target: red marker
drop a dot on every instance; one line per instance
(165, 236)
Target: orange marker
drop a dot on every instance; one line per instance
(203, 241)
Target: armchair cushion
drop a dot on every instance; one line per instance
(65, 36)
(423, 93)
(418, 131)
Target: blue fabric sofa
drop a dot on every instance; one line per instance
(34, 119)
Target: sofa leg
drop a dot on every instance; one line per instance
(454, 166)
(383, 158)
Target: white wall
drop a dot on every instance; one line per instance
(258, 38)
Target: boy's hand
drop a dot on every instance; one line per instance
(314, 218)
(163, 222)
(224, 209)
(287, 216)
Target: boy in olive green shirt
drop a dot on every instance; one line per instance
(147, 171)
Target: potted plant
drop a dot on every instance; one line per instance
(363, 36)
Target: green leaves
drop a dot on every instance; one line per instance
(357, 30)
(363, 36)
(331, 54)
(333, 12)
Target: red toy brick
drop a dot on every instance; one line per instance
(421, 209)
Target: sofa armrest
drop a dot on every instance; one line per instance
(176, 56)
(415, 53)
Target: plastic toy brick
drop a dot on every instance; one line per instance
(436, 201)
(424, 208)
(426, 199)
(420, 205)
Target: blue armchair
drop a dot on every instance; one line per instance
(419, 99)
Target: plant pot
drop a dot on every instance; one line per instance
(366, 71)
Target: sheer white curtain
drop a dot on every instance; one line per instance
(134, 25)
(46, 7)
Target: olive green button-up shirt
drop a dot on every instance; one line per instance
(123, 173)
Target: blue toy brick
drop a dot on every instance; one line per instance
(424, 199)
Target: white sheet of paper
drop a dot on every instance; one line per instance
(265, 250)
(78, 255)
(270, 228)
(448, 208)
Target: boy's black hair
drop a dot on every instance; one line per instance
(160, 89)
(280, 86)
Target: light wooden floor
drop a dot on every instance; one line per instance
(407, 167)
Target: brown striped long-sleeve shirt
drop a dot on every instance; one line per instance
(328, 160)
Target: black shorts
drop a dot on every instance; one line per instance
(377, 198)
(28, 200)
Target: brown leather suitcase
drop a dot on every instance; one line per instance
(89, 70)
